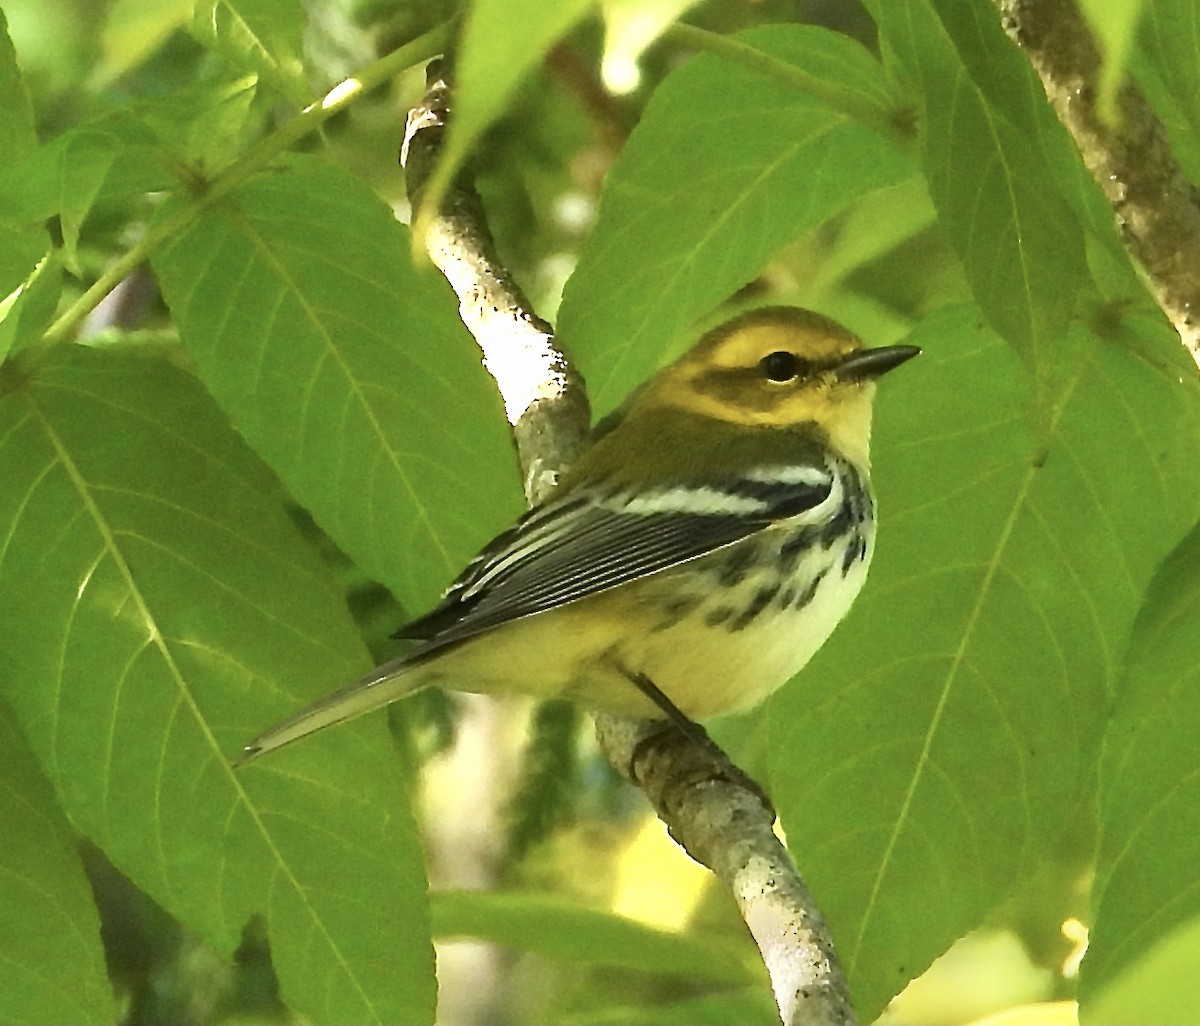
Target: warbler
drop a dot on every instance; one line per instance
(704, 546)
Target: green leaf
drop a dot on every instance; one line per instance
(262, 36)
(1114, 23)
(17, 137)
(721, 1009)
(157, 608)
(725, 167)
(992, 153)
(50, 932)
(1147, 871)
(502, 42)
(872, 227)
(29, 284)
(348, 371)
(115, 155)
(203, 123)
(1164, 66)
(27, 311)
(937, 740)
(562, 930)
(133, 30)
(1159, 984)
(21, 247)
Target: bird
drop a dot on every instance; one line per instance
(703, 547)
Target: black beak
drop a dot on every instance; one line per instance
(868, 364)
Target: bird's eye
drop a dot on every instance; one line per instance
(782, 366)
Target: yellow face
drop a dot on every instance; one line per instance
(775, 367)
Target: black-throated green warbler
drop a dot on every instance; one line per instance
(706, 543)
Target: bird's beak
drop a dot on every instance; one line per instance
(868, 364)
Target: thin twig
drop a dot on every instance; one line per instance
(1157, 208)
(719, 817)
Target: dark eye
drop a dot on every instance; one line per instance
(782, 366)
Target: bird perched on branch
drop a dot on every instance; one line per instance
(698, 553)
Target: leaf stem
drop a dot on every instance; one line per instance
(259, 156)
(889, 121)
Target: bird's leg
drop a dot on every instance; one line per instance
(689, 728)
(696, 734)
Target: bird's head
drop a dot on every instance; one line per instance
(781, 367)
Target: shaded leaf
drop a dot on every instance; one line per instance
(157, 607)
(992, 152)
(1158, 985)
(17, 137)
(116, 155)
(348, 371)
(27, 311)
(562, 930)
(21, 247)
(262, 36)
(202, 124)
(50, 932)
(1114, 23)
(732, 1008)
(1147, 872)
(725, 166)
(133, 30)
(1164, 66)
(940, 756)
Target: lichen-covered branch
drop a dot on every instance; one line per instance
(724, 824)
(1157, 208)
(543, 396)
(719, 817)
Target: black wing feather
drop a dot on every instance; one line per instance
(584, 544)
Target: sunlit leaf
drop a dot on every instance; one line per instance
(157, 608)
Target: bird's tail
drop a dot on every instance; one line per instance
(382, 685)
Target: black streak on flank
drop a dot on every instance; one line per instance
(678, 608)
(806, 596)
(856, 551)
(793, 549)
(762, 598)
(716, 617)
(734, 567)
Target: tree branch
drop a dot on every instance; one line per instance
(1157, 208)
(719, 817)
(543, 396)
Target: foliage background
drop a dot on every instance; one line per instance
(209, 479)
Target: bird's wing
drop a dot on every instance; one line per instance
(585, 543)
